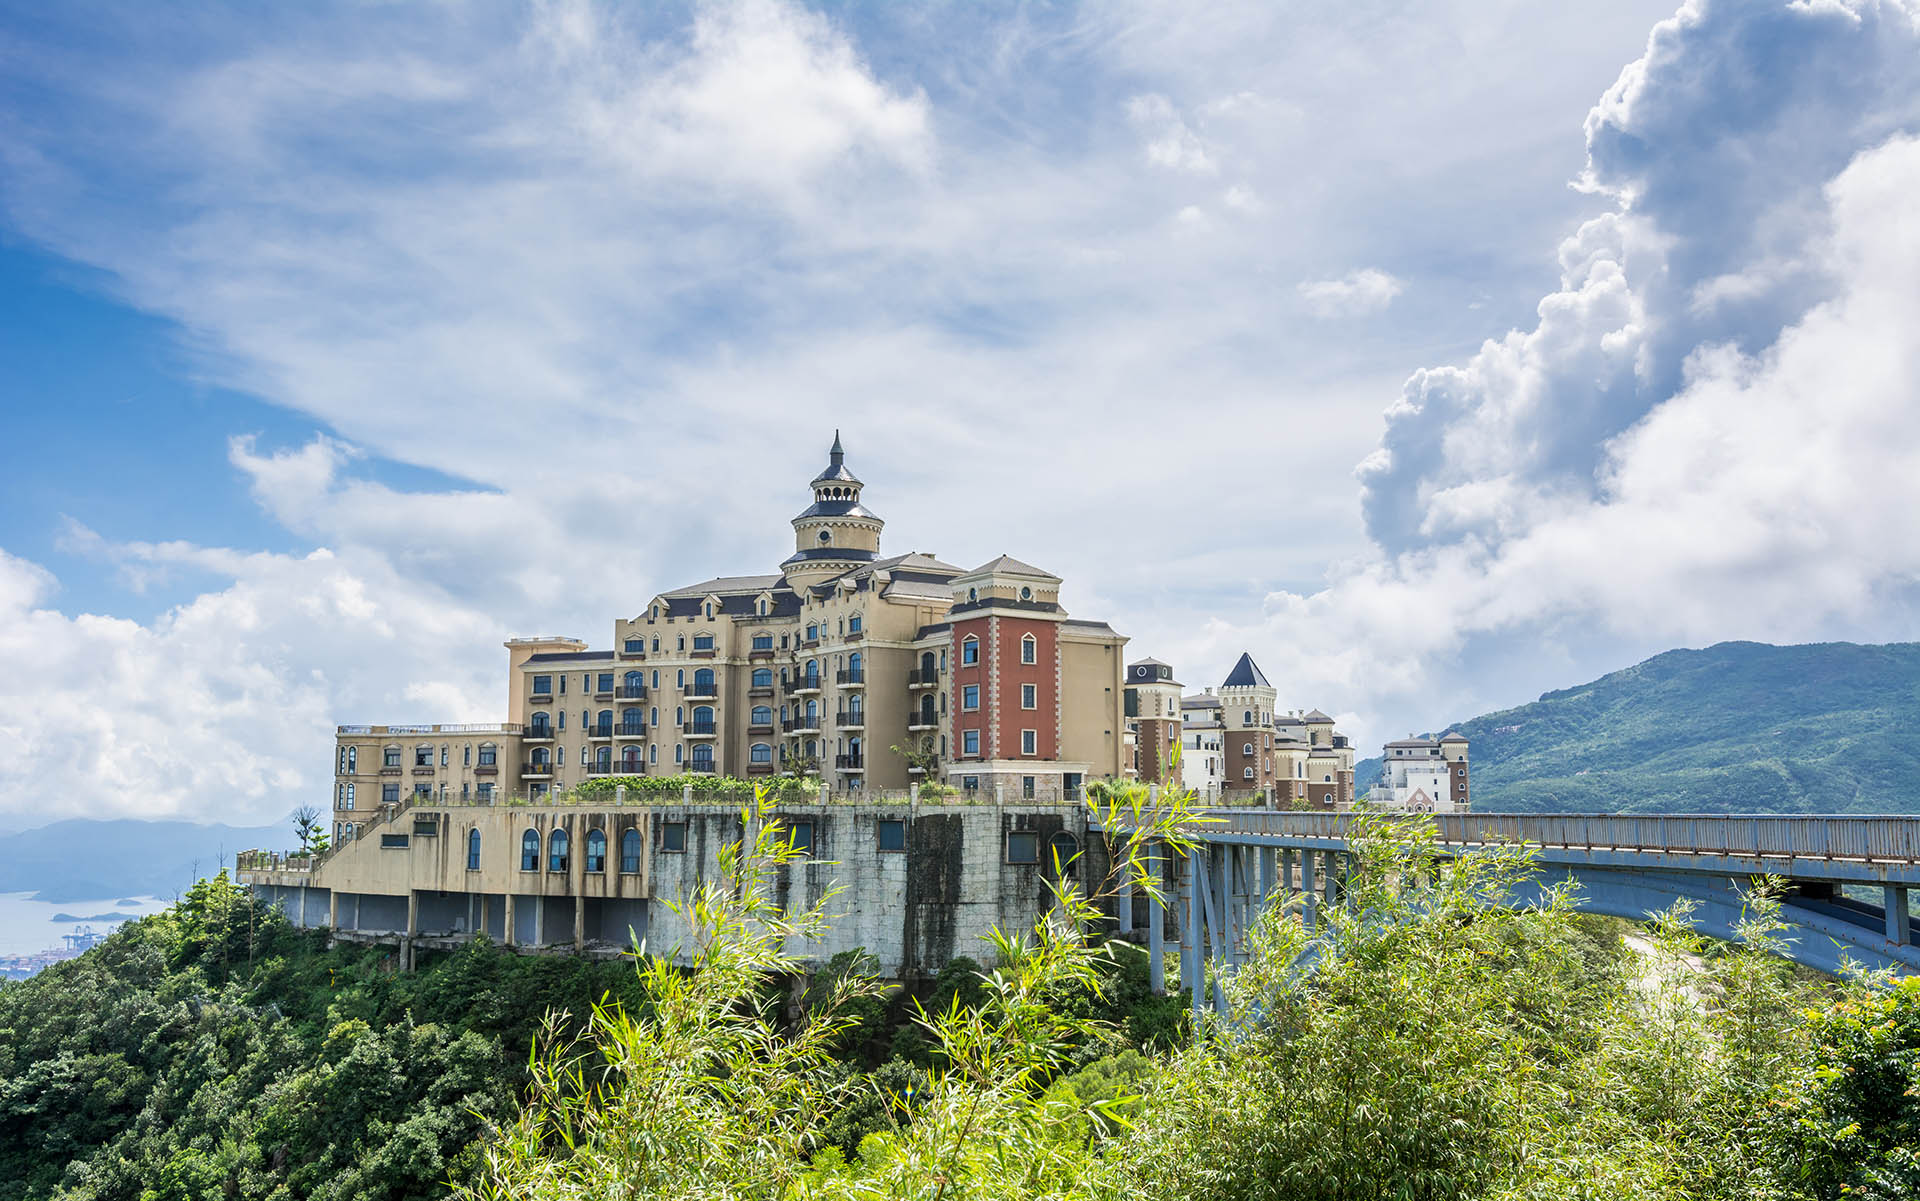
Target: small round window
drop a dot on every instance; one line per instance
(826, 536)
(1026, 593)
(973, 594)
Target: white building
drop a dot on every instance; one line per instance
(1423, 775)
(1202, 765)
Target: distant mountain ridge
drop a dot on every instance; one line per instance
(84, 860)
(1740, 727)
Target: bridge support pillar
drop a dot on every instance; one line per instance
(1266, 877)
(1310, 906)
(1156, 927)
(1899, 925)
(1190, 974)
(1123, 904)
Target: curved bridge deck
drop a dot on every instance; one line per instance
(1625, 865)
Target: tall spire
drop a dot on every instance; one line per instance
(836, 455)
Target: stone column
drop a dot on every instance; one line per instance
(333, 909)
(507, 934)
(577, 878)
(413, 928)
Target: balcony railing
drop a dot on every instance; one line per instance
(765, 727)
(630, 692)
(850, 719)
(850, 676)
(389, 769)
(603, 694)
(922, 678)
(701, 692)
(922, 721)
(634, 767)
(850, 762)
(701, 767)
(539, 734)
(700, 729)
(793, 724)
(854, 635)
(804, 684)
(540, 698)
(600, 732)
(760, 769)
(633, 730)
(536, 769)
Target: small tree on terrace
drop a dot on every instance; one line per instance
(306, 824)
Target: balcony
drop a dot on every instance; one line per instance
(918, 722)
(538, 734)
(599, 733)
(631, 768)
(806, 642)
(700, 729)
(802, 685)
(798, 724)
(849, 676)
(633, 730)
(535, 770)
(760, 690)
(636, 692)
(918, 678)
(701, 767)
(760, 652)
(486, 769)
(702, 692)
(423, 769)
(605, 769)
(636, 655)
(854, 635)
(851, 719)
(390, 769)
(540, 698)
(850, 762)
(701, 653)
(763, 728)
(760, 769)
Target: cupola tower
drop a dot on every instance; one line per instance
(836, 533)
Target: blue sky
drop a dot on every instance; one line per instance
(1436, 353)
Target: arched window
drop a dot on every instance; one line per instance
(853, 664)
(680, 680)
(763, 677)
(541, 726)
(603, 759)
(926, 710)
(1029, 649)
(596, 851)
(1246, 748)
(1062, 850)
(926, 666)
(473, 850)
(703, 681)
(630, 851)
(1246, 717)
(812, 748)
(812, 711)
(679, 753)
(540, 756)
(759, 752)
(703, 755)
(702, 716)
(762, 715)
(633, 682)
(605, 722)
(557, 851)
(813, 671)
(530, 851)
(630, 760)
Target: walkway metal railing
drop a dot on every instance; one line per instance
(1890, 839)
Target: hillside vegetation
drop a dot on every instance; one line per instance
(1741, 727)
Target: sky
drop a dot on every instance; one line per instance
(1437, 353)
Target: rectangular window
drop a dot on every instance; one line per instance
(466, 755)
(1023, 848)
(970, 697)
(543, 685)
(422, 791)
(487, 755)
(443, 756)
(969, 652)
(605, 683)
(393, 842)
(389, 794)
(970, 783)
(1029, 696)
(703, 642)
(390, 757)
(1029, 742)
(426, 827)
(969, 742)
(893, 835)
(1026, 787)
(1027, 650)
(423, 756)
(483, 792)
(801, 836)
(763, 642)
(853, 624)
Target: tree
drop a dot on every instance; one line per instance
(306, 824)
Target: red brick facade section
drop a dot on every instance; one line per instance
(963, 675)
(1043, 673)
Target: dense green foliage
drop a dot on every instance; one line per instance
(214, 1051)
(1741, 727)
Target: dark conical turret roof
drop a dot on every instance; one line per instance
(1245, 674)
(836, 471)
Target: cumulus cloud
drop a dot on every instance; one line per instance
(1354, 294)
(1171, 142)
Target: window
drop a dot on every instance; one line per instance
(466, 755)
(801, 836)
(423, 756)
(813, 631)
(703, 756)
(970, 783)
(634, 646)
(488, 754)
(762, 715)
(763, 677)
(596, 851)
(1246, 748)
(543, 685)
(763, 642)
(892, 834)
(604, 683)
(973, 594)
(1029, 742)
(1023, 848)
(969, 651)
(422, 792)
(350, 792)
(483, 792)
(390, 757)
(1029, 650)
(853, 624)
(473, 850)
(1029, 696)
(393, 842)
(630, 851)
(389, 794)
(970, 697)
(1062, 849)
(703, 642)
(1246, 773)
(760, 752)
(703, 681)
(557, 851)
(530, 851)
(353, 759)
(970, 742)
(1026, 593)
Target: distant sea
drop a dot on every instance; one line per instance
(27, 925)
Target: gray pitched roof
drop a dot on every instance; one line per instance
(1245, 674)
(1316, 715)
(723, 585)
(1012, 566)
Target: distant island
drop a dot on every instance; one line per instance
(96, 917)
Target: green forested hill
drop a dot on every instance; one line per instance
(1738, 727)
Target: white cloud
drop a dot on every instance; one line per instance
(1354, 294)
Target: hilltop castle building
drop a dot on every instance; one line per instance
(819, 667)
(1423, 775)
